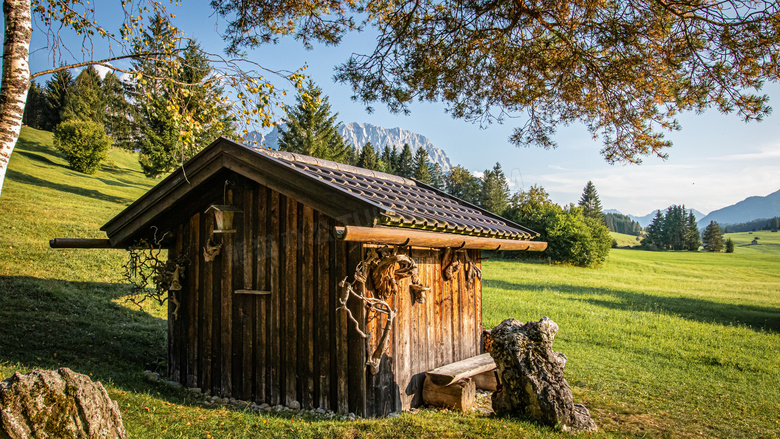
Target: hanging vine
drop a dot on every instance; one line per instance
(385, 268)
(152, 275)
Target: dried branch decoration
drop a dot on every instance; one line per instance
(152, 277)
(385, 269)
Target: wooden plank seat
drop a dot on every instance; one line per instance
(454, 385)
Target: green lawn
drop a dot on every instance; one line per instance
(624, 240)
(659, 344)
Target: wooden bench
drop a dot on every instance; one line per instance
(454, 385)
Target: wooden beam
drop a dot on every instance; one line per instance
(458, 396)
(422, 238)
(252, 292)
(80, 243)
(450, 373)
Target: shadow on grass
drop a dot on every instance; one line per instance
(756, 317)
(29, 179)
(38, 158)
(54, 323)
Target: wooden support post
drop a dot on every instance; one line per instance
(457, 396)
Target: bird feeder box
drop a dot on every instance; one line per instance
(223, 217)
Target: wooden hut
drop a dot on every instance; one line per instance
(262, 319)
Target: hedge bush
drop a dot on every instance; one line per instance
(84, 143)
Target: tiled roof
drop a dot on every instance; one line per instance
(406, 203)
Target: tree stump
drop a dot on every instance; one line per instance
(532, 381)
(57, 404)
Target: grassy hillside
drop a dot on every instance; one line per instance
(624, 240)
(659, 344)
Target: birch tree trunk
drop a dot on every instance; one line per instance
(16, 76)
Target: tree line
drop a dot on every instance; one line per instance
(754, 226)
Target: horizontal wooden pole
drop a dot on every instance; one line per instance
(252, 292)
(423, 238)
(79, 243)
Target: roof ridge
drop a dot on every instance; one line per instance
(309, 160)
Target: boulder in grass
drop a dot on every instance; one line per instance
(531, 372)
(57, 404)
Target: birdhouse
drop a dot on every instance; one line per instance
(223, 217)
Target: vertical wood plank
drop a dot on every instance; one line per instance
(175, 335)
(323, 322)
(356, 343)
(457, 320)
(340, 365)
(274, 310)
(290, 359)
(307, 332)
(430, 319)
(446, 318)
(403, 330)
(226, 321)
(478, 302)
(438, 296)
(206, 309)
(260, 243)
(192, 277)
(248, 304)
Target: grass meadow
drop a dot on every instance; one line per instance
(659, 344)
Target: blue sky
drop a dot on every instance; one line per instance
(716, 160)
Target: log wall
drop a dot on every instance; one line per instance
(291, 344)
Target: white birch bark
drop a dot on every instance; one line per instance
(16, 77)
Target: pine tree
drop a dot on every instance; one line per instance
(56, 92)
(85, 102)
(437, 176)
(654, 232)
(181, 115)
(692, 237)
(312, 129)
(590, 203)
(729, 245)
(386, 160)
(405, 165)
(421, 170)
(495, 190)
(35, 107)
(462, 184)
(119, 113)
(712, 239)
(368, 158)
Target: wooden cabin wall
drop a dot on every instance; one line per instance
(289, 345)
(292, 344)
(444, 329)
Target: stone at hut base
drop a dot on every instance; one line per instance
(57, 404)
(532, 381)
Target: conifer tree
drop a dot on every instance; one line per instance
(590, 203)
(421, 170)
(171, 134)
(437, 176)
(654, 232)
(692, 237)
(312, 129)
(495, 190)
(120, 115)
(729, 245)
(368, 158)
(388, 160)
(56, 92)
(34, 108)
(405, 165)
(712, 239)
(85, 102)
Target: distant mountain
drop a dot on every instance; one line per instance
(749, 209)
(645, 221)
(359, 133)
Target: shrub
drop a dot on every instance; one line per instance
(729, 245)
(84, 144)
(571, 237)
